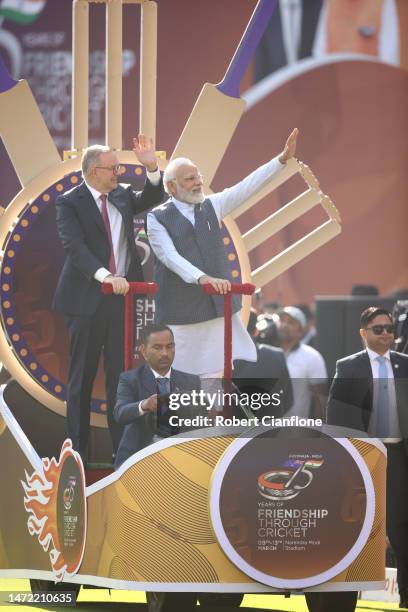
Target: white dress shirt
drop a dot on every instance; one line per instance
(306, 368)
(291, 21)
(207, 358)
(394, 428)
(120, 248)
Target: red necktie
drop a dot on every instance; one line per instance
(105, 217)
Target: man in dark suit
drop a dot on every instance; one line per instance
(141, 407)
(269, 374)
(95, 225)
(370, 393)
(289, 36)
(142, 396)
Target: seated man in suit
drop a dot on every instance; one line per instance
(141, 406)
(369, 393)
(142, 396)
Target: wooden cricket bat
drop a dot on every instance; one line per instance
(219, 108)
(23, 130)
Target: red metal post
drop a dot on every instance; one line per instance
(137, 288)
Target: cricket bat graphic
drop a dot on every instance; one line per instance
(23, 130)
(219, 108)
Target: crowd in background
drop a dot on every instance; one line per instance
(292, 329)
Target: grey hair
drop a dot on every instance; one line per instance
(171, 169)
(90, 157)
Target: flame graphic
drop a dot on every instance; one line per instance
(40, 502)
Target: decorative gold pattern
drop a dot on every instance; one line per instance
(369, 562)
(163, 500)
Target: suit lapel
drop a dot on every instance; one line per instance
(397, 366)
(395, 362)
(363, 368)
(147, 382)
(401, 392)
(91, 207)
(175, 382)
(364, 376)
(120, 203)
(116, 198)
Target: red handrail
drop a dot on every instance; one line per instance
(143, 288)
(139, 288)
(236, 288)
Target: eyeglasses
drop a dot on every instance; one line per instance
(378, 329)
(116, 169)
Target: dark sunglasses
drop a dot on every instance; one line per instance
(378, 329)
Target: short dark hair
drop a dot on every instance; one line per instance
(154, 328)
(370, 313)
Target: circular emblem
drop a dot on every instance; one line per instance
(292, 510)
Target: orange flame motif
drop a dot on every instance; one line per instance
(40, 501)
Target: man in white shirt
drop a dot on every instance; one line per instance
(306, 366)
(185, 236)
(95, 226)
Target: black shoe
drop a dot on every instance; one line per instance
(403, 598)
(331, 601)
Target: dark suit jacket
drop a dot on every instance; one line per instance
(270, 54)
(269, 374)
(135, 386)
(351, 394)
(85, 241)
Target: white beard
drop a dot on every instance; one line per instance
(189, 197)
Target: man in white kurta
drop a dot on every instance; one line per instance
(200, 345)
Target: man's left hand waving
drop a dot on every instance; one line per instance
(144, 150)
(290, 147)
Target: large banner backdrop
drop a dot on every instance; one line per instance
(350, 109)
